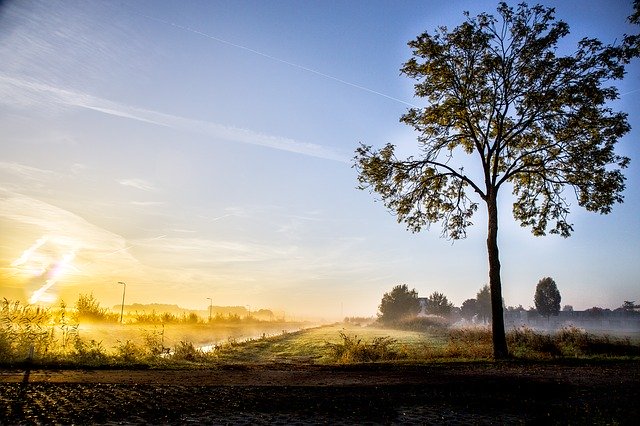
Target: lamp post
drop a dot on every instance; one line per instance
(124, 288)
(210, 306)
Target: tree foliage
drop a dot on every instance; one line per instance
(483, 304)
(547, 298)
(438, 304)
(498, 93)
(399, 303)
(468, 309)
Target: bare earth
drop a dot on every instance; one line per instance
(448, 393)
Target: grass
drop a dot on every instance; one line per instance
(54, 339)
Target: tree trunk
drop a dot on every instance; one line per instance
(497, 319)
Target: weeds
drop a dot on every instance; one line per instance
(567, 342)
(53, 337)
(354, 350)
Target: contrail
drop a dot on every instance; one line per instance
(273, 58)
(630, 92)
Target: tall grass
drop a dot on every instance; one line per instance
(52, 336)
(526, 343)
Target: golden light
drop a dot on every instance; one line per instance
(42, 259)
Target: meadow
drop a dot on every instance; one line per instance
(58, 337)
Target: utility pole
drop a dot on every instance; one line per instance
(124, 288)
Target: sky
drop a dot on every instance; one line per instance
(197, 149)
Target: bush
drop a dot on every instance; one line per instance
(89, 353)
(88, 309)
(429, 323)
(186, 351)
(352, 349)
(128, 352)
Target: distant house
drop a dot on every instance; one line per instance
(423, 307)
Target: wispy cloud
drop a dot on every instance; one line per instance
(200, 251)
(140, 184)
(24, 171)
(147, 203)
(24, 92)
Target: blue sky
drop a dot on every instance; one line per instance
(202, 149)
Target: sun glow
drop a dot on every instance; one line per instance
(60, 268)
(47, 259)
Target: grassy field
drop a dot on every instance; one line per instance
(314, 345)
(51, 338)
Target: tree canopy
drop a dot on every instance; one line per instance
(399, 303)
(547, 298)
(438, 304)
(498, 93)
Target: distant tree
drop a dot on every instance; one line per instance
(497, 91)
(399, 303)
(438, 304)
(469, 309)
(567, 308)
(547, 297)
(518, 308)
(483, 303)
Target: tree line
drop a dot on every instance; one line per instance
(401, 303)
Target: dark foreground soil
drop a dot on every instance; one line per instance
(465, 393)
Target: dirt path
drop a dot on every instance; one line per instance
(488, 393)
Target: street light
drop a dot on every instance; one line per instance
(210, 306)
(124, 288)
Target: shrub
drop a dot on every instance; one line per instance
(89, 353)
(186, 351)
(88, 309)
(426, 323)
(128, 352)
(353, 350)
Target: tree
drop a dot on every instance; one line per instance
(438, 304)
(547, 298)
(567, 308)
(483, 303)
(468, 309)
(399, 303)
(498, 94)
(632, 42)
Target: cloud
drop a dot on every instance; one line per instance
(147, 203)
(59, 225)
(140, 184)
(26, 172)
(182, 252)
(15, 91)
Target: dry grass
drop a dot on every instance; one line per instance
(48, 337)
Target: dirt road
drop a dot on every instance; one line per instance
(450, 393)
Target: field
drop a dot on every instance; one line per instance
(267, 372)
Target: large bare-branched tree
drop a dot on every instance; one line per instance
(497, 91)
